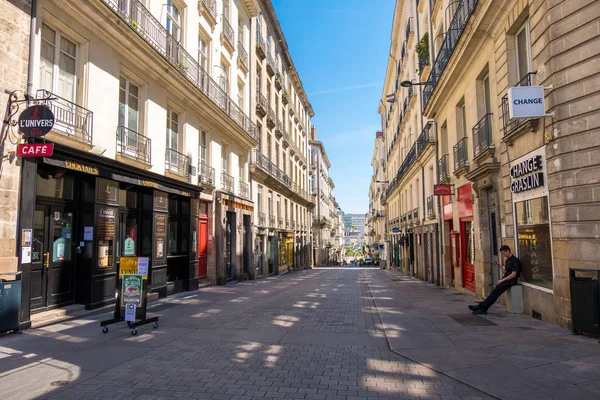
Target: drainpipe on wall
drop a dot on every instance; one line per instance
(439, 213)
(32, 28)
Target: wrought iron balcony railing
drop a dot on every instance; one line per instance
(70, 119)
(261, 104)
(134, 14)
(242, 54)
(508, 125)
(270, 64)
(427, 136)
(133, 145)
(227, 182)
(210, 5)
(272, 221)
(461, 159)
(177, 163)
(260, 46)
(227, 30)
(430, 207)
(280, 222)
(459, 21)
(482, 135)
(443, 173)
(261, 161)
(206, 174)
(262, 219)
(409, 28)
(244, 190)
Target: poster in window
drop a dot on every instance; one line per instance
(160, 237)
(534, 244)
(106, 223)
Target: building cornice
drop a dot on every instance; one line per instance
(390, 73)
(322, 147)
(269, 13)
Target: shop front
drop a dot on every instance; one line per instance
(80, 213)
(286, 251)
(467, 237)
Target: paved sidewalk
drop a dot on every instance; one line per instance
(505, 355)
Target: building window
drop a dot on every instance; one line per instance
(259, 201)
(173, 20)
(487, 100)
(523, 51)
(128, 104)
(203, 53)
(224, 158)
(223, 78)
(269, 155)
(276, 155)
(240, 94)
(58, 64)
(203, 149)
(534, 241)
(226, 9)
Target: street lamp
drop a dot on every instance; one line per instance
(382, 181)
(409, 84)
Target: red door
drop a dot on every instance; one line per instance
(202, 248)
(467, 254)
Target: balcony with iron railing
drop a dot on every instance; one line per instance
(410, 32)
(206, 174)
(278, 129)
(149, 29)
(271, 118)
(259, 160)
(285, 97)
(262, 219)
(227, 183)
(132, 145)
(510, 126)
(272, 221)
(443, 171)
(260, 46)
(177, 163)
(278, 84)
(415, 216)
(430, 207)
(287, 224)
(482, 136)
(461, 159)
(70, 119)
(208, 8)
(261, 104)
(285, 139)
(244, 190)
(459, 20)
(270, 65)
(404, 53)
(280, 222)
(428, 136)
(242, 56)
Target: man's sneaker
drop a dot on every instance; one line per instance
(473, 308)
(480, 311)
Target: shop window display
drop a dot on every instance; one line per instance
(534, 241)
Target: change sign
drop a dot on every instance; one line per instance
(36, 120)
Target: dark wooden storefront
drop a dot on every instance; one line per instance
(85, 212)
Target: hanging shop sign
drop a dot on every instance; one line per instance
(36, 120)
(442, 190)
(395, 229)
(35, 150)
(527, 175)
(526, 102)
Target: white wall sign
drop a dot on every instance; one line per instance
(526, 102)
(528, 178)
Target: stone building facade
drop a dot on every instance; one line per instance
(14, 34)
(530, 183)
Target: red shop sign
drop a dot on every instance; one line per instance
(442, 190)
(35, 150)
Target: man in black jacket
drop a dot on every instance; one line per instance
(512, 271)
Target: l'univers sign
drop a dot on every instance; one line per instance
(527, 174)
(36, 120)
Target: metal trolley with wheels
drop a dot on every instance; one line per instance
(141, 317)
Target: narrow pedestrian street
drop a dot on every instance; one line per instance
(313, 334)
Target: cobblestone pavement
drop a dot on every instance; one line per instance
(307, 335)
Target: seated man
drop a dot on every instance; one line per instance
(512, 271)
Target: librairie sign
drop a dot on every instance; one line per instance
(36, 120)
(527, 175)
(35, 150)
(526, 102)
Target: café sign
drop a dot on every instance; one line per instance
(36, 120)
(526, 102)
(35, 150)
(527, 174)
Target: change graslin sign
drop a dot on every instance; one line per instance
(36, 120)
(527, 174)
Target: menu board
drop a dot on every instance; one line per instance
(160, 237)
(106, 223)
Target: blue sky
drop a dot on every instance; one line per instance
(340, 49)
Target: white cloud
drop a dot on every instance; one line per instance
(344, 89)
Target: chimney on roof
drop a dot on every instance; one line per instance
(313, 132)
(379, 134)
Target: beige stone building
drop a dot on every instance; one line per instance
(376, 235)
(527, 182)
(280, 163)
(14, 34)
